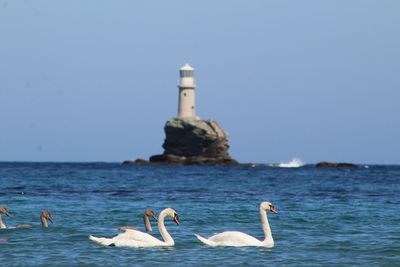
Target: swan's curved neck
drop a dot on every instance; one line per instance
(147, 223)
(44, 222)
(163, 231)
(2, 225)
(265, 225)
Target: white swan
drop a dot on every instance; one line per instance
(147, 224)
(136, 239)
(4, 210)
(239, 239)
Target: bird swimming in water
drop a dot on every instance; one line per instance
(4, 210)
(44, 217)
(148, 213)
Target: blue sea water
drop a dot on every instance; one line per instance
(343, 217)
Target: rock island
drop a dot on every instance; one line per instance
(188, 138)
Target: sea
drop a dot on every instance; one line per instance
(326, 216)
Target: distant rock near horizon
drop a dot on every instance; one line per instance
(335, 165)
(194, 141)
(136, 161)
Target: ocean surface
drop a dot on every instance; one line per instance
(341, 217)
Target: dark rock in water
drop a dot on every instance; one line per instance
(335, 165)
(194, 141)
(174, 159)
(169, 158)
(136, 161)
(141, 161)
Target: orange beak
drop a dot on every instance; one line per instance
(273, 210)
(176, 219)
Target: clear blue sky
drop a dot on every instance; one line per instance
(96, 80)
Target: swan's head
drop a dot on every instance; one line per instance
(265, 205)
(151, 213)
(4, 210)
(46, 215)
(173, 214)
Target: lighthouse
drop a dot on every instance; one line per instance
(188, 138)
(186, 106)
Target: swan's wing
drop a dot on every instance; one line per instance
(135, 238)
(102, 240)
(234, 238)
(124, 228)
(24, 225)
(206, 241)
(130, 238)
(138, 236)
(127, 235)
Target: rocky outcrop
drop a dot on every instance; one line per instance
(335, 165)
(194, 141)
(136, 161)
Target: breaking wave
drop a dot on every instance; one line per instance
(294, 163)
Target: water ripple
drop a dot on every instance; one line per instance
(326, 216)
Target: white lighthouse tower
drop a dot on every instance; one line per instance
(187, 107)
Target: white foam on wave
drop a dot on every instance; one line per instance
(294, 163)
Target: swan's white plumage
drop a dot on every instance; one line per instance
(231, 239)
(136, 238)
(130, 238)
(239, 239)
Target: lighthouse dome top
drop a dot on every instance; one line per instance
(186, 67)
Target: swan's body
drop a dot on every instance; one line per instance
(239, 239)
(4, 210)
(231, 239)
(135, 238)
(131, 238)
(23, 225)
(146, 220)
